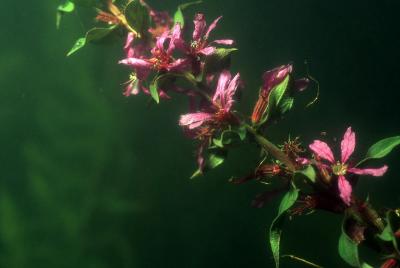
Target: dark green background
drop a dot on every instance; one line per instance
(90, 178)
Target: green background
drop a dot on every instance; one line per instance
(90, 178)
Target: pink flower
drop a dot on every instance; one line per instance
(161, 59)
(222, 102)
(200, 43)
(341, 168)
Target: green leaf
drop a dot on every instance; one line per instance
(218, 61)
(92, 35)
(275, 230)
(392, 223)
(137, 17)
(309, 173)
(274, 99)
(215, 160)
(178, 16)
(348, 249)
(67, 7)
(382, 147)
(286, 105)
(154, 92)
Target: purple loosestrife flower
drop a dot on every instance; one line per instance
(200, 43)
(342, 168)
(161, 55)
(220, 111)
(202, 125)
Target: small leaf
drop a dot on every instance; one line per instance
(242, 132)
(286, 105)
(383, 147)
(309, 173)
(154, 92)
(178, 16)
(218, 61)
(275, 230)
(348, 250)
(275, 98)
(92, 35)
(67, 7)
(137, 16)
(215, 160)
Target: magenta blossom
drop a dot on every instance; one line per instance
(222, 102)
(341, 168)
(161, 59)
(200, 44)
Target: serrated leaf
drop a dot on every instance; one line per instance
(92, 35)
(137, 16)
(275, 230)
(178, 16)
(383, 147)
(154, 92)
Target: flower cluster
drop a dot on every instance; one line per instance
(164, 60)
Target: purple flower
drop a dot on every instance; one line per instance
(161, 58)
(341, 168)
(200, 43)
(222, 102)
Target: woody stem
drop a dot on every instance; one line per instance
(272, 149)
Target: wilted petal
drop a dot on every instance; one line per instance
(301, 84)
(376, 172)
(226, 42)
(199, 26)
(207, 51)
(194, 120)
(128, 49)
(344, 190)
(212, 27)
(275, 76)
(322, 150)
(348, 144)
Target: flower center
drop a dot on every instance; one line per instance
(339, 169)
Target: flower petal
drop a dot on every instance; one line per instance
(275, 76)
(322, 150)
(227, 42)
(223, 81)
(207, 51)
(194, 120)
(199, 26)
(212, 27)
(376, 172)
(230, 92)
(136, 63)
(344, 189)
(348, 144)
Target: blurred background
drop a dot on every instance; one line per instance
(90, 178)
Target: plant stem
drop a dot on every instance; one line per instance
(272, 149)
